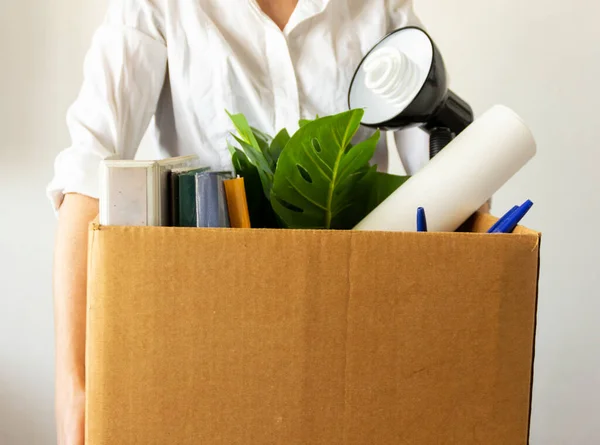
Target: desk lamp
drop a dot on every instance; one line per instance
(402, 83)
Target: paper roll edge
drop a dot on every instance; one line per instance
(512, 113)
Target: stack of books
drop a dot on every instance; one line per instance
(178, 192)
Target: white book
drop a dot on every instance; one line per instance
(135, 193)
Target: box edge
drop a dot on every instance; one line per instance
(534, 342)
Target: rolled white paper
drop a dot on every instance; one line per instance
(461, 178)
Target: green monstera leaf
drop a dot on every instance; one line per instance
(370, 191)
(315, 183)
(381, 186)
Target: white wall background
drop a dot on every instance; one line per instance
(540, 57)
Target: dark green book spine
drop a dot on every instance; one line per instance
(174, 199)
(187, 200)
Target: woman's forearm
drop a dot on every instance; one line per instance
(70, 279)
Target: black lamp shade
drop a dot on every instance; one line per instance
(432, 106)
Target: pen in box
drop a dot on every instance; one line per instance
(421, 220)
(509, 224)
(502, 219)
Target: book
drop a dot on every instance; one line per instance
(135, 192)
(128, 195)
(211, 200)
(237, 203)
(165, 167)
(183, 200)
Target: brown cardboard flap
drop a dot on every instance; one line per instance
(220, 337)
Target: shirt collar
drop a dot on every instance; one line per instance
(305, 10)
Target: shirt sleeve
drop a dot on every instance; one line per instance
(124, 71)
(401, 13)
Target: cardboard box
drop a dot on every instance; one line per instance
(256, 337)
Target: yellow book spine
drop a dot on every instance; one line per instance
(237, 203)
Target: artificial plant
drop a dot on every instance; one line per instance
(317, 178)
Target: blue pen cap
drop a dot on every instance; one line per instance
(509, 225)
(502, 219)
(421, 220)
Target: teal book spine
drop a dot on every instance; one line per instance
(187, 198)
(174, 199)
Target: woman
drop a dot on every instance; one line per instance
(184, 63)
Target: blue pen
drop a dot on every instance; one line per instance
(502, 219)
(421, 220)
(509, 225)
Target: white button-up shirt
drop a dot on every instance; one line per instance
(185, 62)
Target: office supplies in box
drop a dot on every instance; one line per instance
(223, 336)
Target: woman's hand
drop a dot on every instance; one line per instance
(70, 414)
(485, 208)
